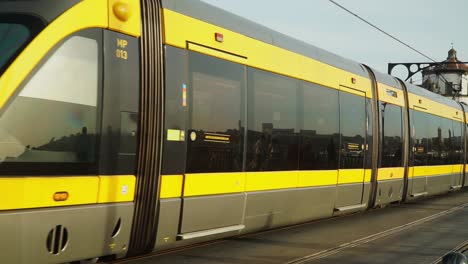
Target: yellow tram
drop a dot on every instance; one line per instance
(130, 126)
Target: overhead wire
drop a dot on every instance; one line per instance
(381, 30)
(386, 33)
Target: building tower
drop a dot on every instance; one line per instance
(449, 78)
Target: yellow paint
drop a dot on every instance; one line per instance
(351, 176)
(385, 97)
(37, 192)
(124, 16)
(421, 171)
(171, 186)
(213, 183)
(86, 14)
(224, 183)
(259, 181)
(116, 188)
(179, 30)
(457, 168)
(426, 105)
(390, 173)
(368, 175)
(317, 178)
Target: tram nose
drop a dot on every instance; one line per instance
(455, 258)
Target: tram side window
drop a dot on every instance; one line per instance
(392, 150)
(216, 115)
(457, 143)
(53, 119)
(434, 130)
(353, 130)
(420, 138)
(272, 122)
(319, 136)
(446, 141)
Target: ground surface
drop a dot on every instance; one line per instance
(421, 243)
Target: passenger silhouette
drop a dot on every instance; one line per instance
(83, 145)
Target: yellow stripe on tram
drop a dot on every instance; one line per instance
(317, 178)
(426, 105)
(390, 173)
(114, 189)
(421, 171)
(260, 181)
(199, 36)
(173, 186)
(213, 183)
(391, 95)
(40, 192)
(22, 193)
(351, 176)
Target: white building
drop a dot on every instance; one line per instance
(449, 78)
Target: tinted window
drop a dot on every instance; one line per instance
(12, 37)
(216, 118)
(446, 141)
(319, 136)
(272, 125)
(53, 119)
(432, 139)
(420, 138)
(392, 145)
(457, 143)
(175, 115)
(353, 128)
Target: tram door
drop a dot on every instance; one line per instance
(351, 174)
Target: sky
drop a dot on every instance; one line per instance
(430, 26)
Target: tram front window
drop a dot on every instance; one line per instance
(53, 118)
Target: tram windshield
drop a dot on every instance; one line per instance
(13, 37)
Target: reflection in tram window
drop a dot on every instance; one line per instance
(445, 136)
(457, 143)
(420, 139)
(434, 139)
(272, 126)
(353, 129)
(437, 140)
(53, 119)
(215, 121)
(320, 129)
(392, 145)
